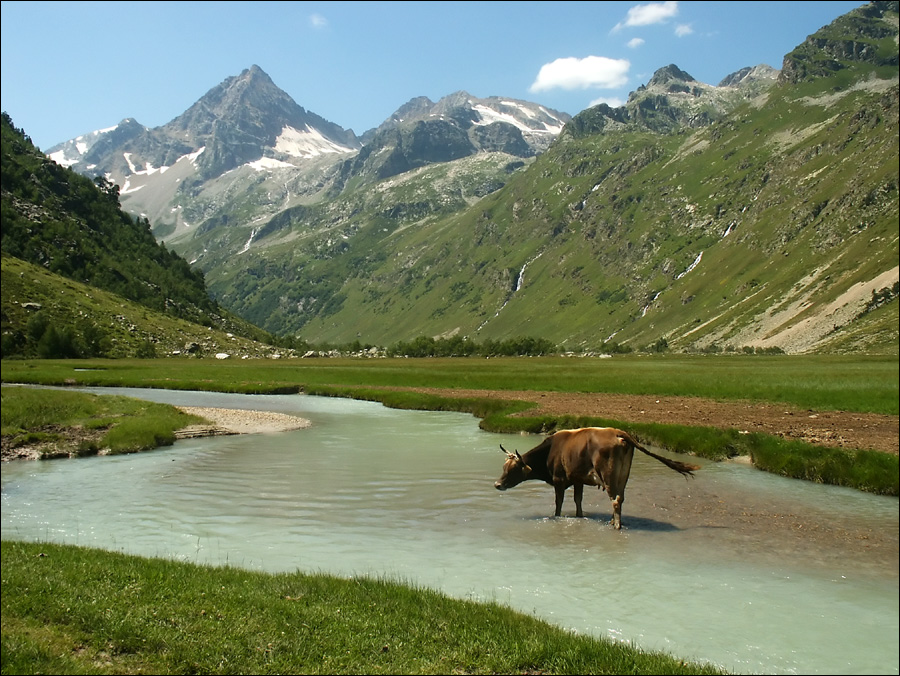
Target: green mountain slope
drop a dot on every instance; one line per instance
(47, 315)
(72, 228)
(772, 227)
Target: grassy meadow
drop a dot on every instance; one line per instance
(823, 382)
(64, 424)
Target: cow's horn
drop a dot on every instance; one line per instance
(508, 454)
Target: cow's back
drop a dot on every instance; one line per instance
(580, 455)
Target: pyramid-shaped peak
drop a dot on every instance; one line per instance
(668, 74)
(254, 75)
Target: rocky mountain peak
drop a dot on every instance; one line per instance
(673, 99)
(243, 119)
(250, 102)
(247, 117)
(414, 108)
(422, 132)
(667, 81)
(747, 75)
(667, 74)
(466, 111)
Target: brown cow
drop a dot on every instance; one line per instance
(593, 456)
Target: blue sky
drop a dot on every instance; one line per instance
(69, 68)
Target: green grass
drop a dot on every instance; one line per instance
(61, 422)
(821, 382)
(68, 610)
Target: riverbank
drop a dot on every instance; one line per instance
(836, 429)
(69, 424)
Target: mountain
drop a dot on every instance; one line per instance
(237, 135)
(756, 214)
(244, 119)
(421, 133)
(673, 101)
(66, 242)
(532, 125)
(247, 151)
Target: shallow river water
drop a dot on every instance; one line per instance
(739, 568)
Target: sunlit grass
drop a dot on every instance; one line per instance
(821, 382)
(51, 419)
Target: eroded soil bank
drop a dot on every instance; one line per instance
(843, 429)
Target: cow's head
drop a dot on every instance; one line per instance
(515, 471)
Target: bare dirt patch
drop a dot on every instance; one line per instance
(51, 441)
(841, 429)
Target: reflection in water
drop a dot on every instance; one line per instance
(735, 567)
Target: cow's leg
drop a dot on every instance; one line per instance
(579, 493)
(623, 455)
(560, 494)
(617, 511)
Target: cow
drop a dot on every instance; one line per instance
(590, 456)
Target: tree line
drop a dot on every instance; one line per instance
(460, 346)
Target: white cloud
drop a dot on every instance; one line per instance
(589, 72)
(634, 43)
(683, 29)
(645, 15)
(612, 102)
(318, 21)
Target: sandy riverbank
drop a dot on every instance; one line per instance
(239, 421)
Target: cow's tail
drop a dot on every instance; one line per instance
(683, 467)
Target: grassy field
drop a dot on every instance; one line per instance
(64, 423)
(859, 383)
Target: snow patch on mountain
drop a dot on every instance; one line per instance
(490, 115)
(62, 159)
(192, 156)
(267, 163)
(130, 188)
(71, 152)
(307, 144)
(148, 169)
